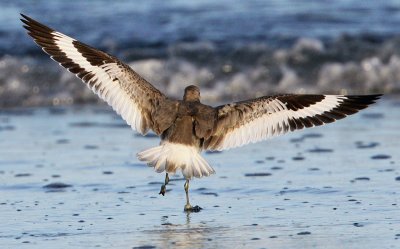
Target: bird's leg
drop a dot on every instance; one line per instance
(188, 207)
(163, 187)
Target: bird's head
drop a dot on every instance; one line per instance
(192, 93)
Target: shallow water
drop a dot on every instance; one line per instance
(69, 179)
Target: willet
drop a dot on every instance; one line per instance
(187, 126)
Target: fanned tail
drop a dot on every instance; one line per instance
(170, 157)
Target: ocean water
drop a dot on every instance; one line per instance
(69, 178)
(231, 49)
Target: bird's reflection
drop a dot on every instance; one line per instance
(185, 235)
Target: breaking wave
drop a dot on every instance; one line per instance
(348, 65)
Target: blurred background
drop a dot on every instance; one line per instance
(231, 49)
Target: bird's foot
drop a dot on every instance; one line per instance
(188, 208)
(163, 190)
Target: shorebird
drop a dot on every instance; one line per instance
(187, 127)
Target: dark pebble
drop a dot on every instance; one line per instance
(361, 179)
(356, 224)
(255, 238)
(22, 175)
(57, 185)
(62, 141)
(257, 174)
(320, 150)
(304, 233)
(55, 176)
(397, 178)
(313, 169)
(83, 124)
(166, 224)
(386, 170)
(155, 183)
(276, 168)
(380, 156)
(91, 147)
(144, 247)
(259, 161)
(270, 158)
(298, 158)
(312, 135)
(108, 172)
(210, 193)
(361, 145)
(273, 237)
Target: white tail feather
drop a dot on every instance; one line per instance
(171, 157)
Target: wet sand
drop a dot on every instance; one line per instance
(69, 178)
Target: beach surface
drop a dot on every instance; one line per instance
(69, 178)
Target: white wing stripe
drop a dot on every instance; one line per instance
(275, 120)
(107, 89)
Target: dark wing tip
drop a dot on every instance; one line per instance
(362, 101)
(352, 104)
(34, 26)
(26, 20)
(24, 17)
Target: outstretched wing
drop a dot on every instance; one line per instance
(140, 104)
(258, 119)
